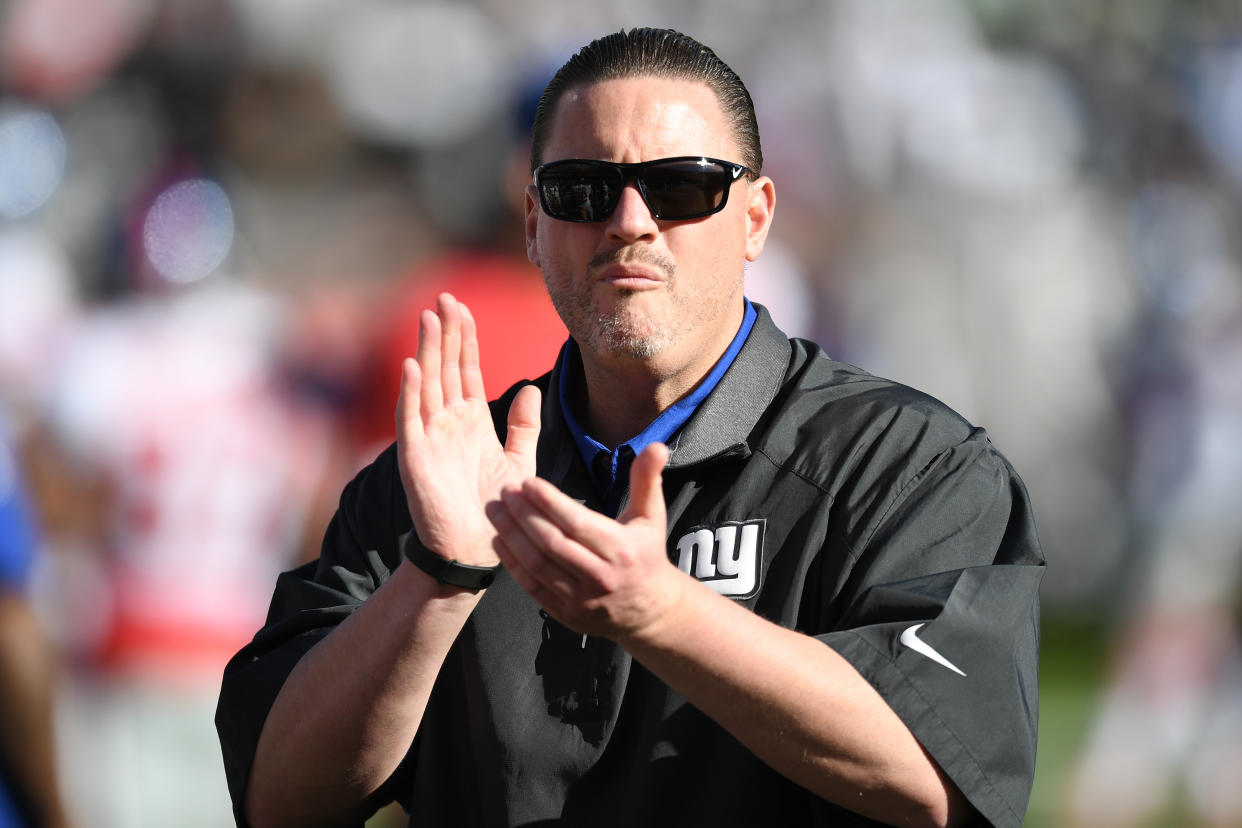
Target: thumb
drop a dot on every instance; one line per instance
(523, 427)
(647, 485)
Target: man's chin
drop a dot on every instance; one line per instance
(619, 339)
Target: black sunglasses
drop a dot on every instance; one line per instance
(674, 189)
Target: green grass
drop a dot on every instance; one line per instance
(1073, 662)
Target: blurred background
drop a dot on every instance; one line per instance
(218, 219)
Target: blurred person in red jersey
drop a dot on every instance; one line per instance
(519, 330)
(172, 413)
(486, 268)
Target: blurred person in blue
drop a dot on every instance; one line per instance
(29, 787)
(1167, 730)
(699, 573)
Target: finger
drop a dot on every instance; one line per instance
(531, 585)
(408, 420)
(471, 373)
(431, 395)
(518, 546)
(450, 347)
(576, 537)
(647, 486)
(522, 437)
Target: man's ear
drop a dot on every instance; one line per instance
(531, 219)
(760, 205)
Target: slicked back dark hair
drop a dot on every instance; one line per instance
(661, 53)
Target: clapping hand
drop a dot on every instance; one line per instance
(450, 460)
(594, 574)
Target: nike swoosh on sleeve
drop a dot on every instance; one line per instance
(910, 637)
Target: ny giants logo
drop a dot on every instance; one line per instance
(726, 558)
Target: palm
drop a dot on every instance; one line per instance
(451, 462)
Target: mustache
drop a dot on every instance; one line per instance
(633, 254)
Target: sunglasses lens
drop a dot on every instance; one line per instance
(580, 192)
(673, 188)
(684, 189)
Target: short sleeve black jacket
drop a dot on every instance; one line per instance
(848, 507)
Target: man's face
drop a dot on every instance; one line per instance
(631, 287)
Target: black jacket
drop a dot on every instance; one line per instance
(845, 506)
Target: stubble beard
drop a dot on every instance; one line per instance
(634, 338)
(623, 330)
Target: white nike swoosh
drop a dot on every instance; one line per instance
(910, 637)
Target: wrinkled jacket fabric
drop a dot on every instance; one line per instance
(829, 501)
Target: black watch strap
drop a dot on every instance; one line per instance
(446, 571)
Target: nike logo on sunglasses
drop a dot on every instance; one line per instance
(674, 189)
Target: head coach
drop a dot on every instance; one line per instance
(697, 574)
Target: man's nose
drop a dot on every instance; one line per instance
(632, 219)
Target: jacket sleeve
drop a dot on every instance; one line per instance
(359, 552)
(942, 618)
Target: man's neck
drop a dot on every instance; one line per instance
(625, 394)
(621, 403)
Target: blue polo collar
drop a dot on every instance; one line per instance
(610, 469)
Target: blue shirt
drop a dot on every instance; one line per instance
(17, 547)
(17, 530)
(610, 469)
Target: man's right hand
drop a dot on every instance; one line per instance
(451, 462)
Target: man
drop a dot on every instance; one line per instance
(742, 584)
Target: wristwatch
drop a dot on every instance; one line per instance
(446, 571)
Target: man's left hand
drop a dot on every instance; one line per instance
(595, 575)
